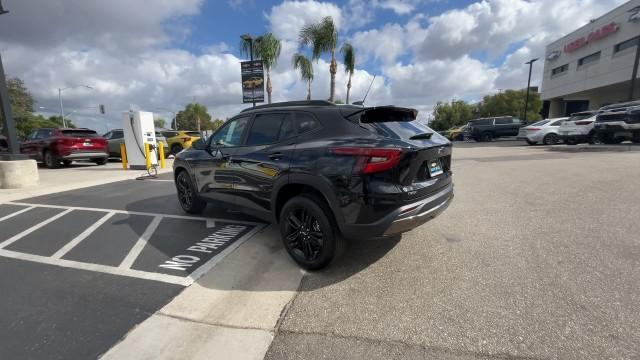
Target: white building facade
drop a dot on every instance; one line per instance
(592, 66)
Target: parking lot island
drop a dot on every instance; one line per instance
(18, 174)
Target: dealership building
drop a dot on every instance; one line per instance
(592, 66)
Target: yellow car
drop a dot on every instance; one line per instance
(180, 140)
(456, 133)
(253, 82)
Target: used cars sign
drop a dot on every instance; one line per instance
(252, 81)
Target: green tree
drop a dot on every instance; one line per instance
(511, 103)
(267, 48)
(215, 124)
(192, 115)
(159, 122)
(349, 59)
(306, 70)
(448, 115)
(323, 38)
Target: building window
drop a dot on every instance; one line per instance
(625, 45)
(589, 59)
(560, 69)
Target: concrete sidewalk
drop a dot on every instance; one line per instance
(76, 176)
(230, 313)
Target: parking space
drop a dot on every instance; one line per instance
(127, 241)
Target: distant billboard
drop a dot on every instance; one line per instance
(252, 81)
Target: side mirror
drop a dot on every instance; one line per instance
(199, 144)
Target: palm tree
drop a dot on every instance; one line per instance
(349, 59)
(306, 70)
(266, 48)
(323, 38)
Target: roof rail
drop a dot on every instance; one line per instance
(291, 103)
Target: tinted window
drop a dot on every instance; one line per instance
(576, 117)
(306, 122)
(540, 123)
(400, 129)
(193, 133)
(117, 134)
(265, 129)
(230, 134)
(287, 129)
(79, 133)
(557, 123)
(503, 121)
(45, 133)
(170, 133)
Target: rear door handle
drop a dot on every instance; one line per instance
(275, 156)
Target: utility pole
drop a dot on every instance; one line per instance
(9, 128)
(634, 73)
(526, 101)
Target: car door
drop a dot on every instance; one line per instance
(26, 147)
(503, 126)
(262, 160)
(114, 142)
(211, 167)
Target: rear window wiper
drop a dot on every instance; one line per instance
(426, 135)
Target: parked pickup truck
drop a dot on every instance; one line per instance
(61, 146)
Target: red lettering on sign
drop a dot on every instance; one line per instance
(595, 35)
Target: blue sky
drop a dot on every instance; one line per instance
(157, 54)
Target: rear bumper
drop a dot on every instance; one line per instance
(84, 155)
(612, 126)
(403, 219)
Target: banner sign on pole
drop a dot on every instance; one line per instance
(252, 81)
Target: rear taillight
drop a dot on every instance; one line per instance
(370, 160)
(583, 122)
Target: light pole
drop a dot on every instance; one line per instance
(526, 101)
(60, 90)
(247, 37)
(9, 128)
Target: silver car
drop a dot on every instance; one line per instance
(545, 131)
(115, 137)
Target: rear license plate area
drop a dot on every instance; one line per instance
(434, 167)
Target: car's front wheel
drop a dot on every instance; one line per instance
(486, 136)
(100, 161)
(187, 196)
(50, 160)
(308, 233)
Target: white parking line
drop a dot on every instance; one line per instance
(19, 236)
(16, 213)
(140, 244)
(171, 279)
(71, 244)
(171, 216)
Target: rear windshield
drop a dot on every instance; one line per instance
(79, 133)
(395, 123)
(193, 133)
(540, 123)
(577, 117)
(399, 129)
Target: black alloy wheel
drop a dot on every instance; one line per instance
(487, 136)
(187, 196)
(550, 139)
(50, 160)
(595, 139)
(307, 233)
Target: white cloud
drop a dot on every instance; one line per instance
(286, 19)
(385, 44)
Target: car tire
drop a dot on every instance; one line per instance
(550, 139)
(570, 141)
(595, 138)
(308, 232)
(636, 138)
(486, 136)
(187, 196)
(101, 161)
(175, 149)
(531, 142)
(66, 162)
(50, 160)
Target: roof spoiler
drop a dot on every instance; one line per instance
(385, 113)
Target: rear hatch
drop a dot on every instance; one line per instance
(578, 123)
(425, 165)
(83, 140)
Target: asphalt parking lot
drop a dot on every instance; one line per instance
(80, 268)
(536, 258)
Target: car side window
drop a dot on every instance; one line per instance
(557, 123)
(503, 121)
(230, 134)
(266, 129)
(117, 135)
(107, 135)
(33, 135)
(306, 123)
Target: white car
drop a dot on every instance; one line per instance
(578, 129)
(545, 131)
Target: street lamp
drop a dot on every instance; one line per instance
(248, 38)
(526, 101)
(60, 90)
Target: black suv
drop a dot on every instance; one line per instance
(487, 129)
(618, 122)
(321, 171)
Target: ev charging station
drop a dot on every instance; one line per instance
(139, 129)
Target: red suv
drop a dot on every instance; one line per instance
(56, 146)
